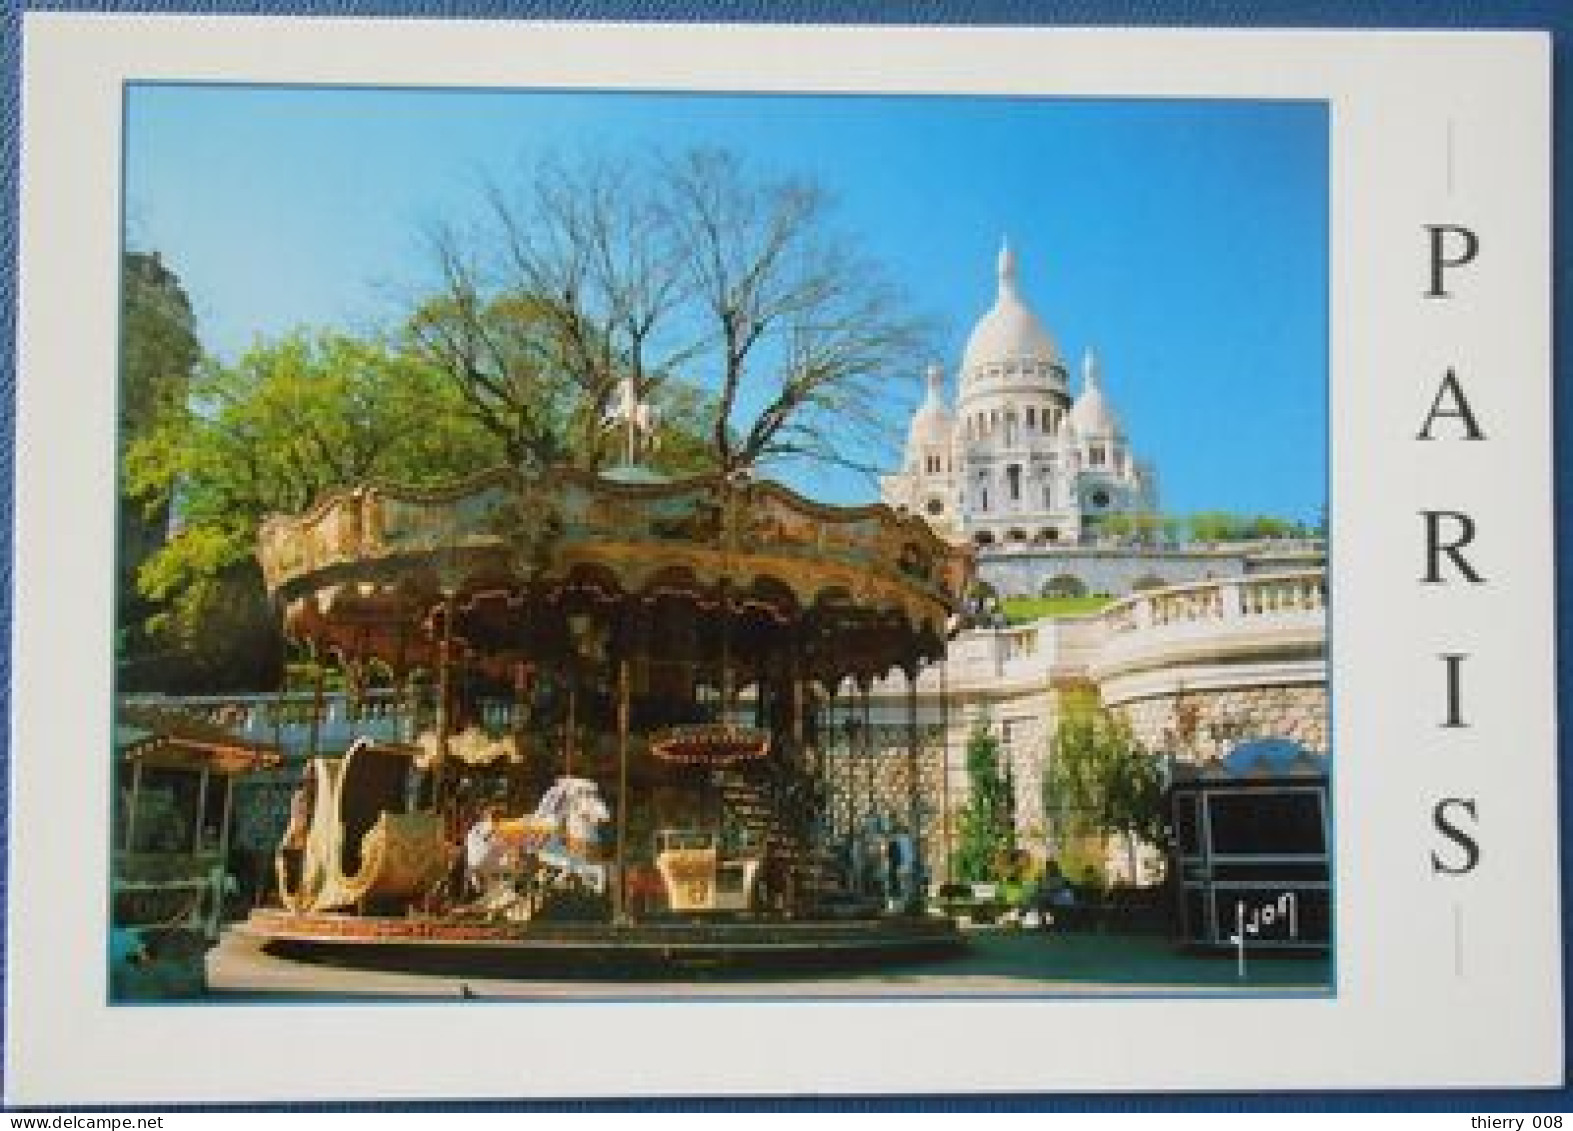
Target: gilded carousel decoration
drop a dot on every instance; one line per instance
(670, 652)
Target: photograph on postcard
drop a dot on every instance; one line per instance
(633, 545)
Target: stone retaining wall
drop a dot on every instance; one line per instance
(1207, 724)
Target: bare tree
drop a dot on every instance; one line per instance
(678, 272)
(800, 324)
(593, 238)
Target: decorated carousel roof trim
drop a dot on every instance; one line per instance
(363, 562)
(634, 481)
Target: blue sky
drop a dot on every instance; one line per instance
(1184, 241)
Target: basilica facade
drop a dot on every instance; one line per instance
(1018, 463)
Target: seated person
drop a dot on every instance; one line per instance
(1054, 890)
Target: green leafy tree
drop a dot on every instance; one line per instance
(1116, 525)
(1213, 526)
(987, 833)
(1099, 779)
(682, 442)
(270, 433)
(1145, 526)
(1222, 526)
(1269, 526)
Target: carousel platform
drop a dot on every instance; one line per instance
(648, 948)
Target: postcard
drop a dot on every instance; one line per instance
(653, 560)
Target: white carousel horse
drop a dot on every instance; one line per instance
(579, 814)
(564, 834)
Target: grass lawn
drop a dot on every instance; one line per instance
(1022, 610)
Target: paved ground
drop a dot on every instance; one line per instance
(995, 962)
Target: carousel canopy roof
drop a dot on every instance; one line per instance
(526, 562)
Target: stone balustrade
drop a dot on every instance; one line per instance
(1301, 591)
(1255, 630)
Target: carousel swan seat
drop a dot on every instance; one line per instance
(360, 846)
(401, 858)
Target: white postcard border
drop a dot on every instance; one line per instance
(1426, 128)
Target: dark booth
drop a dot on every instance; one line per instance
(1251, 834)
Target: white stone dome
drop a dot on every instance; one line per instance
(1091, 415)
(933, 423)
(1009, 332)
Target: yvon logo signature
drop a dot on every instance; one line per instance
(1281, 918)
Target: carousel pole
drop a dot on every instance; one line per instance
(263, 883)
(800, 815)
(914, 780)
(518, 728)
(856, 738)
(763, 695)
(314, 742)
(131, 808)
(572, 723)
(849, 770)
(229, 811)
(728, 693)
(944, 762)
(278, 700)
(357, 670)
(197, 820)
(444, 701)
(799, 729)
(403, 697)
(620, 892)
(727, 690)
(827, 760)
(870, 758)
(866, 686)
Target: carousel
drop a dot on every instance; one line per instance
(631, 720)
